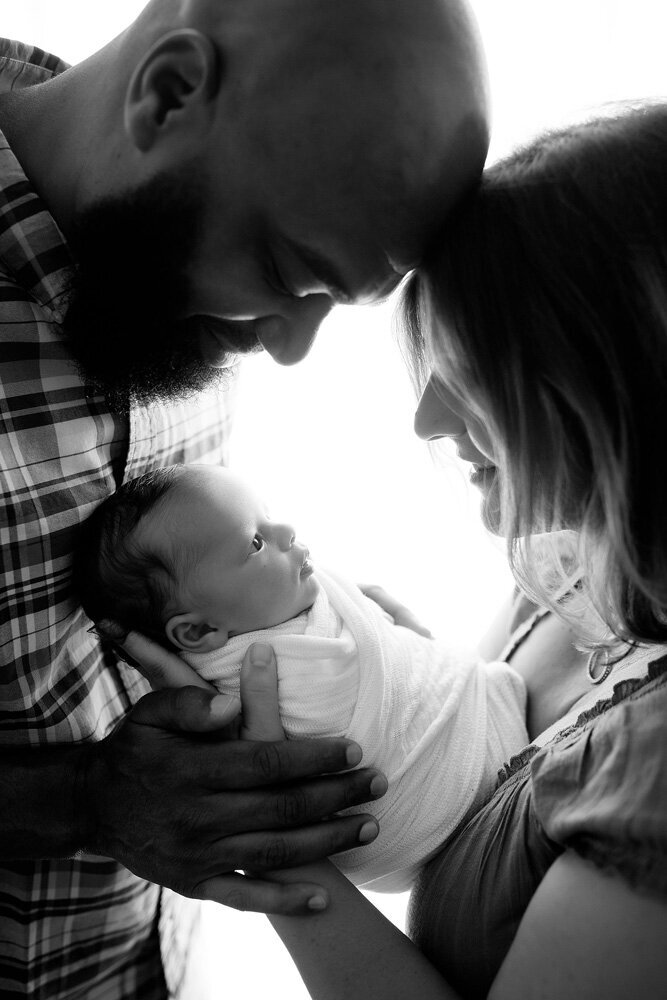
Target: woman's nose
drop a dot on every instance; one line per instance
(434, 417)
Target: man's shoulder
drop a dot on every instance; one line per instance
(23, 65)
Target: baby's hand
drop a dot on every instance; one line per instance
(399, 614)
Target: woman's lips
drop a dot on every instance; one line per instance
(483, 476)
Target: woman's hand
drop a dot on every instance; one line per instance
(344, 947)
(259, 695)
(261, 721)
(398, 612)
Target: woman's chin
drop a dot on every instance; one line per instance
(486, 481)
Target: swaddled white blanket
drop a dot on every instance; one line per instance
(437, 723)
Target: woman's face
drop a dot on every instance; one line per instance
(441, 414)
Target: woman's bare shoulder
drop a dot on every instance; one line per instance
(514, 611)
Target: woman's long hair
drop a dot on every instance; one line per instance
(544, 308)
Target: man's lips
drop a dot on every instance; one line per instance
(218, 339)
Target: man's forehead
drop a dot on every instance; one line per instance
(352, 270)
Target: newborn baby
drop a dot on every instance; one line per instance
(189, 556)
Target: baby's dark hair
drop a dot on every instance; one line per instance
(115, 576)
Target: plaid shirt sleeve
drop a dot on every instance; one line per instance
(81, 927)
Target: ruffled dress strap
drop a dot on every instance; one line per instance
(600, 788)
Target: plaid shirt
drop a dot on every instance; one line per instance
(83, 927)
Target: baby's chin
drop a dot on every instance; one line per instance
(311, 589)
(304, 598)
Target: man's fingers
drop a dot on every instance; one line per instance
(274, 850)
(162, 668)
(242, 892)
(294, 805)
(159, 666)
(238, 765)
(186, 710)
(259, 695)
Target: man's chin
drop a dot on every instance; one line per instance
(129, 291)
(155, 384)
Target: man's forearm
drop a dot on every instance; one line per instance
(41, 795)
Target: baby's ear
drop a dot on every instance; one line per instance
(192, 635)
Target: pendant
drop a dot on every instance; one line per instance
(591, 663)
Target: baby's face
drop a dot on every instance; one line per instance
(237, 569)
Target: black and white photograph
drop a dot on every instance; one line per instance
(333, 551)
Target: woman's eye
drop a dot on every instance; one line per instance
(258, 543)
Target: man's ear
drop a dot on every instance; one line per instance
(178, 75)
(192, 635)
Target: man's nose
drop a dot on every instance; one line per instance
(434, 417)
(288, 336)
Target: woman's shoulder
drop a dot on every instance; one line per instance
(600, 788)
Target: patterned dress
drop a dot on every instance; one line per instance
(598, 788)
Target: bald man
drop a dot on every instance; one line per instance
(209, 184)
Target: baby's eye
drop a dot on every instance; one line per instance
(258, 543)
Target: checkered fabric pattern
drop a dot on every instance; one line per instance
(84, 927)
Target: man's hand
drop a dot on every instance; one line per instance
(396, 611)
(160, 667)
(174, 799)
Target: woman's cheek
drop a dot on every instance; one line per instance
(481, 440)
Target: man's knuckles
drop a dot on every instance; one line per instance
(267, 762)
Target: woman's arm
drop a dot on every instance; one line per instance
(584, 935)
(350, 951)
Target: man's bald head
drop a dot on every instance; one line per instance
(384, 102)
(248, 163)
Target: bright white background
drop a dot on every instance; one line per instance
(329, 442)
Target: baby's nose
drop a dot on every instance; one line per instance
(286, 536)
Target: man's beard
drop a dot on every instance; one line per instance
(124, 319)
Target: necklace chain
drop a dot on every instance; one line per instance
(608, 662)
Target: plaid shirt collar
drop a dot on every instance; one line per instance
(32, 247)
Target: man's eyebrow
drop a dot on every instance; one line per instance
(321, 268)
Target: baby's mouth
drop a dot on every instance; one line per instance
(306, 565)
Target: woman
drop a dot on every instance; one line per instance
(542, 319)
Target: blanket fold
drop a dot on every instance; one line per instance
(439, 723)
